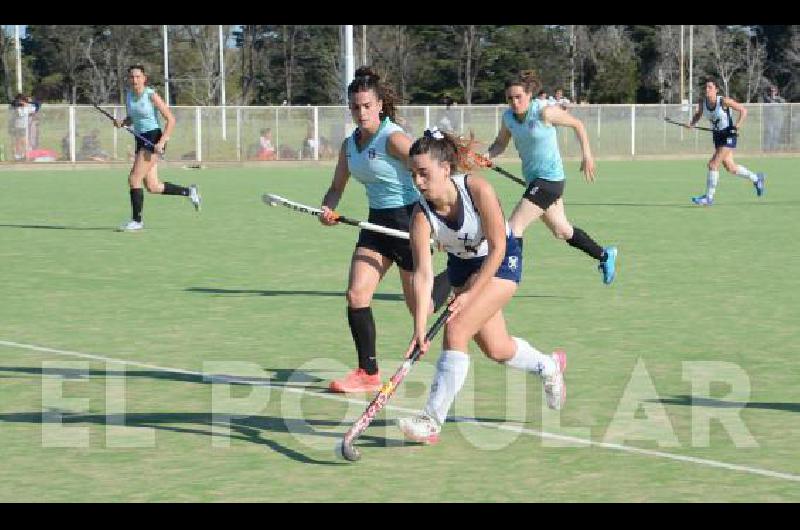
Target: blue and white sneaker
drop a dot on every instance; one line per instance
(609, 266)
(702, 200)
(759, 184)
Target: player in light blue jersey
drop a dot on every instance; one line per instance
(532, 124)
(376, 154)
(717, 109)
(142, 102)
(462, 213)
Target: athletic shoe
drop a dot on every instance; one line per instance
(421, 428)
(131, 226)
(357, 381)
(555, 388)
(702, 200)
(194, 196)
(759, 184)
(609, 266)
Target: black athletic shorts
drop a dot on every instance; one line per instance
(394, 248)
(724, 138)
(154, 136)
(543, 192)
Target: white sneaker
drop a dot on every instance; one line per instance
(132, 226)
(555, 388)
(194, 196)
(420, 428)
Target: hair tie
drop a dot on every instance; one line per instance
(434, 133)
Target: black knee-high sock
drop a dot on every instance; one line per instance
(582, 241)
(137, 203)
(441, 290)
(362, 327)
(173, 189)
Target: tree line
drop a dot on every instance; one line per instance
(304, 64)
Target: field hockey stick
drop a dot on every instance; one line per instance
(128, 128)
(274, 200)
(486, 162)
(345, 447)
(670, 120)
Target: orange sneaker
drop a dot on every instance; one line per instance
(357, 381)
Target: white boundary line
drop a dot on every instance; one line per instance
(472, 421)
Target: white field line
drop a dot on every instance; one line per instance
(471, 421)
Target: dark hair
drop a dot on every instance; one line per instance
(137, 67)
(527, 79)
(451, 149)
(712, 81)
(366, 79)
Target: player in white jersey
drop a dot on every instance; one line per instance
(142, 104)
(462, 213)
(717, 109)
(376, 154)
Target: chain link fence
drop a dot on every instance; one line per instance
(76, 133)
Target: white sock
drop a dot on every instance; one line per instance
(746, 173)
(451, 372)
(711, 183)
(530, 359)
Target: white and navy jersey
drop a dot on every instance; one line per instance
(719, 117)
(464, 237)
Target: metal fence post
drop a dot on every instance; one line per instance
(239, 133)
(116, 156)
(72, 133)
(316, 132)
(633, 130)
(496, 121)
(427, 117)
(198, 135)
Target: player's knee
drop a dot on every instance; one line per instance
(358, 297)
(713, 165)
(151, 187)
(455, 333)
(730, 166)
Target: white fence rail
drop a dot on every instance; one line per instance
(78, 132)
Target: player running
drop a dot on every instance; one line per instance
(717, 109)
(462, 213)
(376, 154)
(531, 123)
(141, 103)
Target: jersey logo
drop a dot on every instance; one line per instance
(513, 262)
(371, 153)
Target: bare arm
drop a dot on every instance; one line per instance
(500, 143)
(422, 277)
(398, 145)
(555, 115)
(340, 177)
(169, 118)
(494, 229)
(738, 107)
(697, 114)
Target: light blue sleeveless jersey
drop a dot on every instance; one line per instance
(720, 118)
(536, 143)
(387, 179)
(142, 111)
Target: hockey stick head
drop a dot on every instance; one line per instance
(270, 199)
(347, 451)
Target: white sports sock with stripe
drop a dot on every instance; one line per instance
(746, 173)
(451, 372)
(711, 183)
(530, 359)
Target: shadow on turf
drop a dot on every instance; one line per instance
(283, 377)
(245, 429)
(56, 227)
(717, 403)
(337, 294)
(684, 204)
